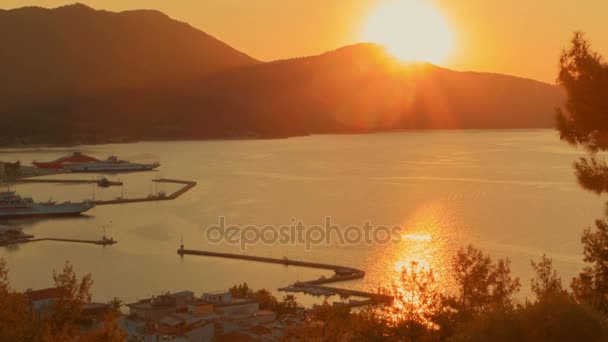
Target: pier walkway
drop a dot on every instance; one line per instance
(67, 181)
(342, 273)
(159, 197)
(103, 242)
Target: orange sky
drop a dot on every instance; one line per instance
(518, 37)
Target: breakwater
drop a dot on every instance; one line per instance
(341, 273)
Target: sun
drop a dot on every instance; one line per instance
(412, 30)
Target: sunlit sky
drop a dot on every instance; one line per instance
(518, 37)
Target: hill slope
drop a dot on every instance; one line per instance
(74, 49)
(355, 89)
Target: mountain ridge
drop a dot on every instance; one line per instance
(352, 89)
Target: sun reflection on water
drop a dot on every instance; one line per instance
(431, 235)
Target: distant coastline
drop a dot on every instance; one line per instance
(249, 138)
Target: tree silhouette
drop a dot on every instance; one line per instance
(116, 303)
(481, 283)
(591, 286)
(547, 281)
(584, 122)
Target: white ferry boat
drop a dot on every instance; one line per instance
(14, 206)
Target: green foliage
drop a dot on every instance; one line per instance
(18, 323)
(415, 305)
(4, 285)
(74, 293)
(266, 299)
(241, 291)
(340, 324)
(547, 281)
(591, 286)
(116, 303)
(481, 283)
(584, 75)
(555, 317)
(289, 304)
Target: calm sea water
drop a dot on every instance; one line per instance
(511, 193)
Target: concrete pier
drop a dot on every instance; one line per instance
(187, 186)
(66, 181)
(342, 273)
(103, 242)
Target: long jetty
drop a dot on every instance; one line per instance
(342, 273)
(187, 186)
(103, 242)
(67, 181)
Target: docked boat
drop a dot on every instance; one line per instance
(14, 206)
(72, 159)
(78, 162)
(112, 164)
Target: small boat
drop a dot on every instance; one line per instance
(103, 182)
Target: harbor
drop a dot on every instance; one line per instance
(76, 162)
(315, 286)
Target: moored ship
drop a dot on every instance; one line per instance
(78, 162)
(59, 163)
(14, 206)
(112, 164)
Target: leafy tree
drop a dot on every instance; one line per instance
(556, 317)
(116, 303)
(241, 291)
(416, 300)
(591, 286)
(338, 322)
(584, 122)
(266, 299)
(74, 293)
(480, 282)
(547, 281)
(503, 286)
(288, 306)
(4, 285)
(110, 332)
(15, 318)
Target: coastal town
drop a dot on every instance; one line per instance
(189, 317)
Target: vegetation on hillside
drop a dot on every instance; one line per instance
(18, 323)
(584, 122)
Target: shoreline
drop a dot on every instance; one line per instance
(18, 147)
